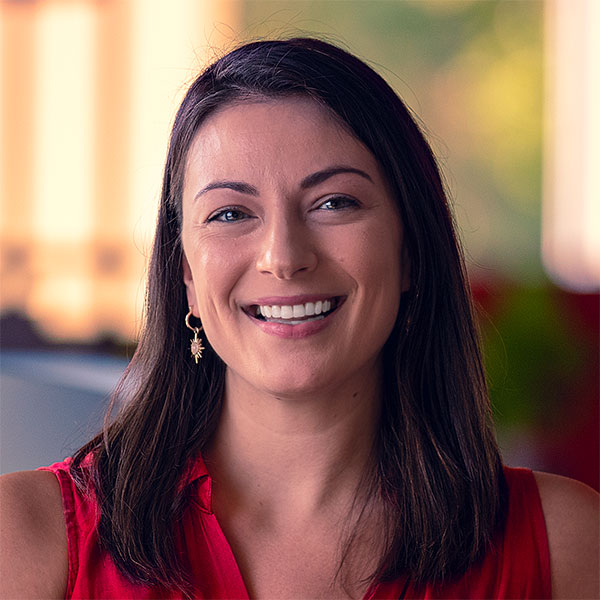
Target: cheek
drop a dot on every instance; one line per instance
(374, 255)
(213, 284)
(215, 270)
(377, 270)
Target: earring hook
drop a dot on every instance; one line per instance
(196, 346)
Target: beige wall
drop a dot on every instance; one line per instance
(89, 89)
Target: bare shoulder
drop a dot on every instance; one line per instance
(33, 552)
(572, 514)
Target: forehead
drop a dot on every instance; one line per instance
(284, 137)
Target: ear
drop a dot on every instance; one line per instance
(190, 290)
(405, 266)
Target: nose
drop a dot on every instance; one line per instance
(286, 249)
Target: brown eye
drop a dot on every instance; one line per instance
(229, 215)
(338, 203)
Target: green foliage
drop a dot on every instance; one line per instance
(533, 361)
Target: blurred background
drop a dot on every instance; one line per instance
(507, 91)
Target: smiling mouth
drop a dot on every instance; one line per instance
(297, 313)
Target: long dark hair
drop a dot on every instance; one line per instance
(438, 467)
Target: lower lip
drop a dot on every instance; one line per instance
(298, 331)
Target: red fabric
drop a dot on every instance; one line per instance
(517, 566)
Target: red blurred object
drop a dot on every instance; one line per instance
(575, 451)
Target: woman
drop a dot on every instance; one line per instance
(329, 433)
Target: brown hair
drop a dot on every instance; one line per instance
(438, 465)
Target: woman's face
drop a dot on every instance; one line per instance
(293, 247)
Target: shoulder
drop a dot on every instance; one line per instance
(33, 553)
(571, 512)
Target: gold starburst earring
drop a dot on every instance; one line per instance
(196, 346)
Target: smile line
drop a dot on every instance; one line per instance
(295, 314)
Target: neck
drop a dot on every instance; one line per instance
(303, 452)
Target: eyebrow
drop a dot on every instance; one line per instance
(321, 176)
(309, 181)
(237, 186)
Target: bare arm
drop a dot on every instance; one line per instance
(33, 541)
(571, 511)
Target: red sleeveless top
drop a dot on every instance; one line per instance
(517, 565)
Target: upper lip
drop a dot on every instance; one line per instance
(290, 300)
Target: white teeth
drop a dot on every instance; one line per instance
(297, 311)
(287, 312)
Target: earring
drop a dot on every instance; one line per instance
(196, 346)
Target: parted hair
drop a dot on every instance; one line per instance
(438, 469)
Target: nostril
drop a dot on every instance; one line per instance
(284, 255)
(285, 270)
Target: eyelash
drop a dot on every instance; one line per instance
(345, 200)
(219, 216)
(224, 211)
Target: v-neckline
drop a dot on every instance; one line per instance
(228, 565)
(380, 590)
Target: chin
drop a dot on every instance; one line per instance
(293, 381)
(325, 383)
(295, 387)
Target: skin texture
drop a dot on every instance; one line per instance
(289, 241)
(304, 409)
(33, 539)
(571, 510)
